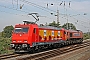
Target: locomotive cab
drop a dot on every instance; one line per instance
(22, 36)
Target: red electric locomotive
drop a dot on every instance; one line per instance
(74, 36)
(30, 37)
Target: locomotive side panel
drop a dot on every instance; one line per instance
(74, 34)
(46, 35)
(41, 35)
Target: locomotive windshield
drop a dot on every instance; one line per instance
(17, 30)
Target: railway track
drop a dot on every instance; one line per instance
(7, 56)
(46, 54)
(56, 52)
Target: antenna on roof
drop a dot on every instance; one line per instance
(37, 16)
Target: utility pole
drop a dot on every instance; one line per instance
(67, 20)
(67, 14)
(57, 16)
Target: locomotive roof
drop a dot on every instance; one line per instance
(49, 27)
(74, 30)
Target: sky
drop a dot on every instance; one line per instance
(78, 12)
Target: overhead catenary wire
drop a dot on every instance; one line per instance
(41, 6)
(13, 8)
(14, 13)
(35, 5)
(30, 4)
(75, 11)
(74, 17)
(17, 4)
(12, 4)
(38, 6)
(17, 10)
(79, 14)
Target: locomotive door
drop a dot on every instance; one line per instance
(35, 35)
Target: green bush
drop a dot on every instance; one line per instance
(5, 45)
(86, 36)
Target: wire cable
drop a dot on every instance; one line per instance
(13, 8)
(14, 13)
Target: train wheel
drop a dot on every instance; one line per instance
(39, 49)
(32, 50)
(50, 47)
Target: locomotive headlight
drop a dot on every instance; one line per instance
(14, 40)
(12, 45)
(25, 41)
(24, 45)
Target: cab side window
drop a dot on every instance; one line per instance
(70, 34)
(34, 31)
(67, 33)
(64, 32)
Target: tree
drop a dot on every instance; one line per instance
(7, 31)
(54, 24)
(0, 34)
(70, 26)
